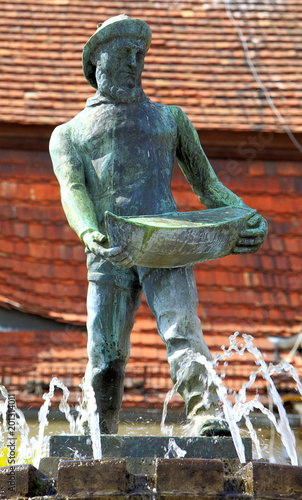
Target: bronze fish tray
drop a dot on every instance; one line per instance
(178, 239)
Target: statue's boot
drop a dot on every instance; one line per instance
(108, 390)
(216, 427)
(211, 426)
(208, 421)
(203, 407)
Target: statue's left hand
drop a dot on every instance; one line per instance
(252, 237)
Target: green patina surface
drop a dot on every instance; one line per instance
(118, 156)
(178, 239)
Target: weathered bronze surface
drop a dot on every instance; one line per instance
(118, 156)
(178, 239)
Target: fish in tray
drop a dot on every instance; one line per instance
(178, 239)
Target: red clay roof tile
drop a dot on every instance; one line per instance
(196, 60)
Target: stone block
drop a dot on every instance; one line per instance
(189, 477)
(91, 478)
(140, 484)
(140, 466)
(268, 481)
(71, 446)
(22, 481)
(116, 446)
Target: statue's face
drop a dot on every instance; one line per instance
(122, 61)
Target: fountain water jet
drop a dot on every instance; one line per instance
(212, 378)
(26, 448)
(88, 412)
(242, 408)
(44, 410)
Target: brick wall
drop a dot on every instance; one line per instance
(42, 270)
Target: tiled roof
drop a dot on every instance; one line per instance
(196, 59)
(42, 270)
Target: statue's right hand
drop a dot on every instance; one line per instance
(117, 255)
(93, 240)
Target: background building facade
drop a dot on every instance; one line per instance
(197, 61)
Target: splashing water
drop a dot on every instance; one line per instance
(44, 410)
(14, 426)
(31, 450)
(212, 378)
(242, 408)
(88, 412)
(267, 371)
(174, 450)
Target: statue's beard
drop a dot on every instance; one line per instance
(117, 94)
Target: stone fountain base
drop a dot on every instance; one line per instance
(116, 446)
(174, 478)
(137, 468)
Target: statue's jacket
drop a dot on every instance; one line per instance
(121, 158)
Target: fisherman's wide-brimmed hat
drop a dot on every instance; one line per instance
(114, 27)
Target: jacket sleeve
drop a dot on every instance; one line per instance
(69, 171)
(197, 168)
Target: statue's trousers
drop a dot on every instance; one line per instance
(112, 302)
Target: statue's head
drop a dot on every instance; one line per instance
(116, 53)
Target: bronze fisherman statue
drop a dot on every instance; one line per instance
(118, 155)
